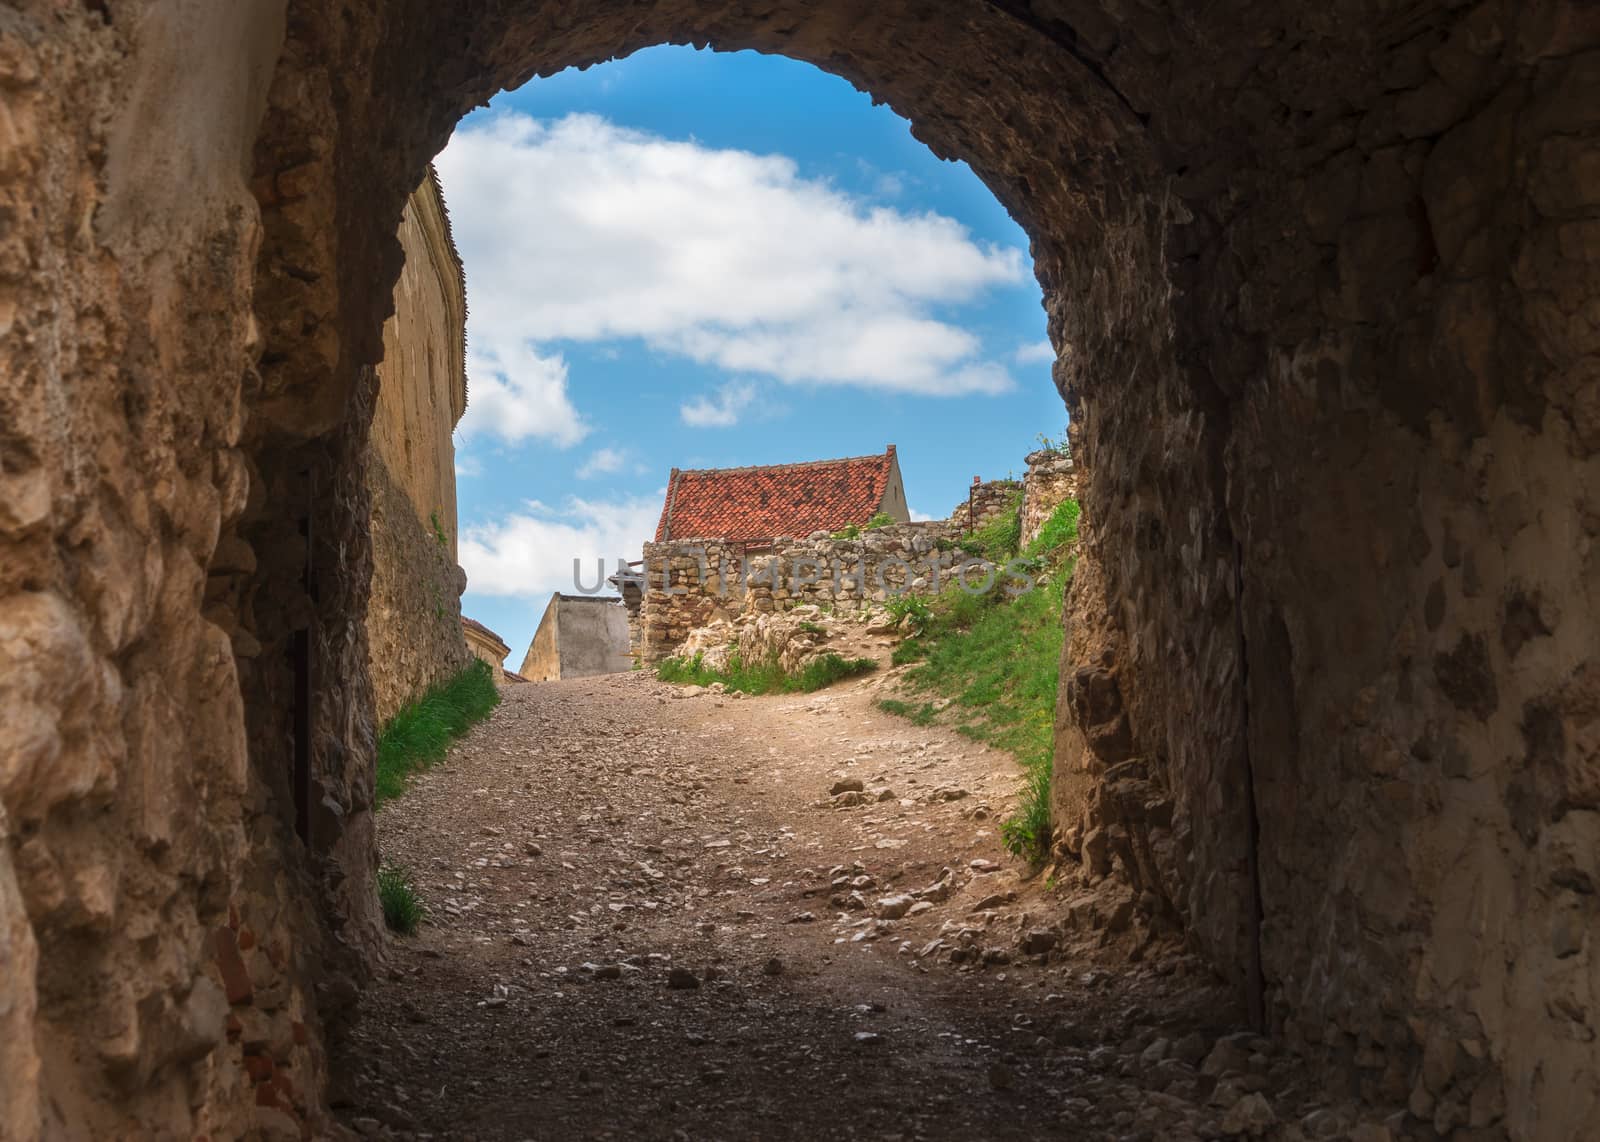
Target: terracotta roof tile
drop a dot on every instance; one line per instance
(750, 504)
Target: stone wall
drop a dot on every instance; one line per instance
(163, 968)
(1326, 272)
(986, 502)
(414, 639)
(414, 613)
(1050, 480)
(693, 583)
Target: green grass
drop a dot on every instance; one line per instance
(914, 605)
(766, 677)
(402, 909)
(997, 658)
(998, 539)
(923, 715)
(1060, 530)
(813, 628)
(418, 736)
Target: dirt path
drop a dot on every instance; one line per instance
(648, 919)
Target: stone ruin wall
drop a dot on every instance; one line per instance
(664, 619)
(1051, 479)
(414, 612)
(986, 501)
(1327, 275)
(723, 590)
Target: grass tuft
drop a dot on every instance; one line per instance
(402, 909)
(418, 736)
(766, 677)
(924, 715)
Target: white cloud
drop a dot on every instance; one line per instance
(604, 461)
(514, 392)
(919, 517)
(722, 410)
(468, 466)
(1035, 353)
(582, 230)
(529, 554)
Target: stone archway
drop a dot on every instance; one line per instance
(1323, 285)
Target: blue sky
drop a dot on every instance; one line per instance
(691, 259)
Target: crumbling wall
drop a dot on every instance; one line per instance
(986, 501)
(1051, 480)
(690, 583)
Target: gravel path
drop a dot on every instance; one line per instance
(649, 918)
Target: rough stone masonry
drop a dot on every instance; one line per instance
(1327, 274)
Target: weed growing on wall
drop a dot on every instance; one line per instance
(418, 736)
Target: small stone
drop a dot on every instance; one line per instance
(1224, 1057)
(868, 1038)
(1191, 1048)
(981, 865)
(533, 849)
(1252, 1115)
(773, 966)
(848, 785)
(894, 907)
(680, 978)
(1155, 1052)
(1039, 942)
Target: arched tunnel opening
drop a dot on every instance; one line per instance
(1327, 277)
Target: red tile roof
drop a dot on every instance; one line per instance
(748, 504)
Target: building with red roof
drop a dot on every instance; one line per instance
(756, 505)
